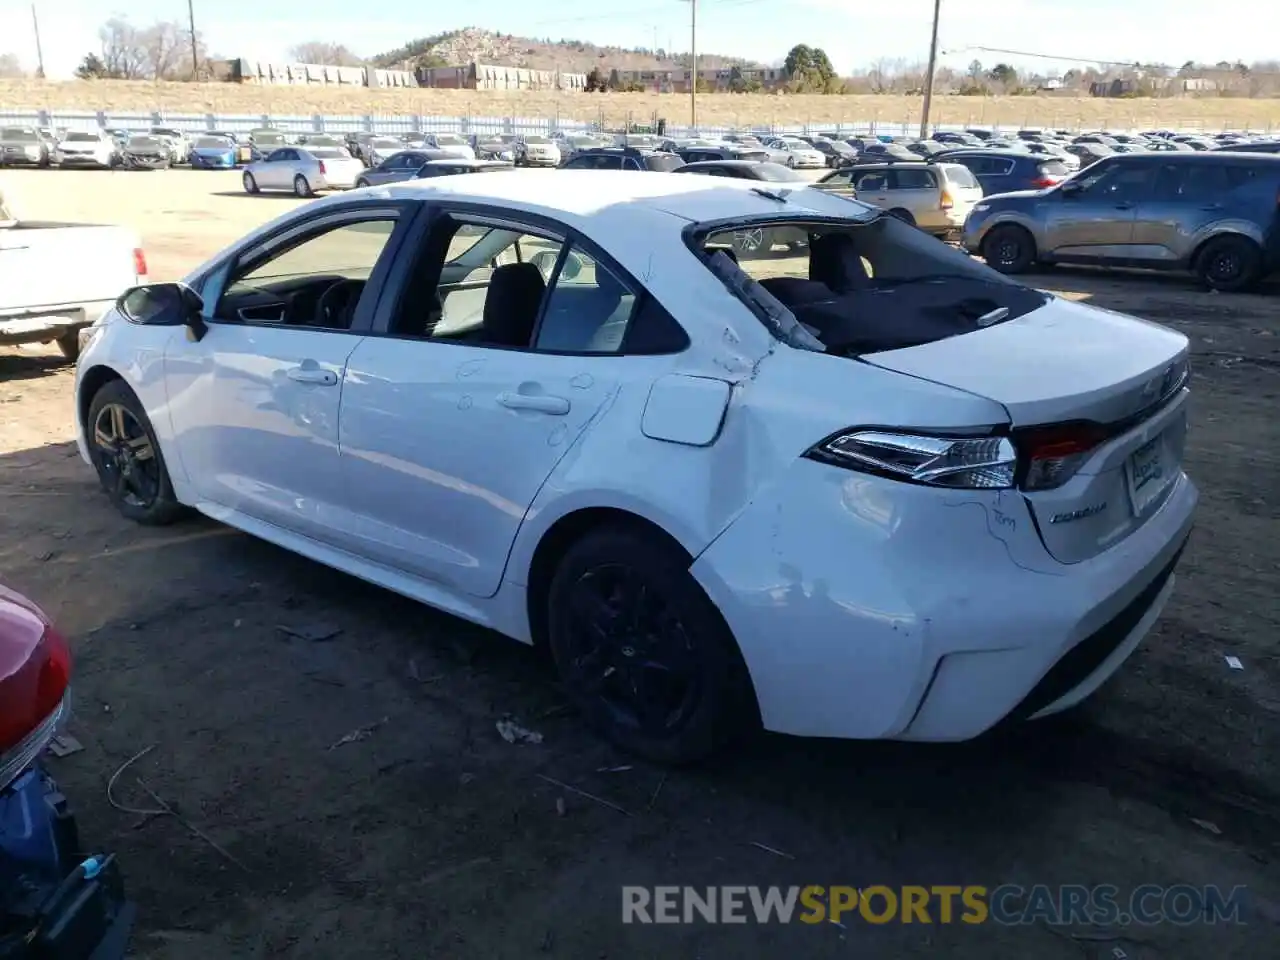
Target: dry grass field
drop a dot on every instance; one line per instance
(117, 96)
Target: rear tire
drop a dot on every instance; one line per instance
(642, 651)
(302, 187)
(115, 409)
(1009, 249)
(1231, 264)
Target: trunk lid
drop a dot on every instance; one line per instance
(1116, 381)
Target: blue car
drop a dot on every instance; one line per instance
(1007, 171)
(213, 153)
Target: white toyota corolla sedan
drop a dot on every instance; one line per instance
(858, 485)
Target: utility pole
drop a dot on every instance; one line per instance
(35, 25)
(693, 65)
(195, 56)
(933, 67)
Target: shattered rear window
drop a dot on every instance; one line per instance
(854, 287)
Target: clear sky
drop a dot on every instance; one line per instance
(853, 32)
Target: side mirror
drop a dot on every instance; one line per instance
(164, 305)
(1070, 188)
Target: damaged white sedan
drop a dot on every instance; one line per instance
(858, 485)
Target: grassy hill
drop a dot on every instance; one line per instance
(485, 46)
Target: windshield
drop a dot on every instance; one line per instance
(212, 143)
(267, 138)
(328, 153)
(583, 142)
(143, 142)
(81, 138)
(18, 135)
(166, 132)
(385, 143)
(872, 285)
(449, 140)
(536, 140)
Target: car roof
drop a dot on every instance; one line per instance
(731, 164)
(597, 201)
(462, 162)
(1199, 156)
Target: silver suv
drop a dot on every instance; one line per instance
(1214, 214)
(936, 197)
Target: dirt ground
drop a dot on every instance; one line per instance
(353, 799)
(737, 110)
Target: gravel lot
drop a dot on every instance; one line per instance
(365, 807)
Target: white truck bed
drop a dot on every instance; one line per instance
(57, 278)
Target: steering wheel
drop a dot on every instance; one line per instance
(337, 305)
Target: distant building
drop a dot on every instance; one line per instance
(484, 76)
(241, 70)
(676, 80)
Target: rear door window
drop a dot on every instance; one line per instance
(904, 179)
(961, 176)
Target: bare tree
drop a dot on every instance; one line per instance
(167, 49)
(326, 54)
(123, 55)
(10, 68)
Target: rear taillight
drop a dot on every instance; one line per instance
(1043, 183)
(322, 170)
(31, 703)
(1051, 456)
(139, 262)
(971, 463)
(947, 202)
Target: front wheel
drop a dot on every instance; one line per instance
(361, 183)
(301, 187)
(642, 651)
(127, 458)
(1229, 264)
(1009, 249)
(250, 184)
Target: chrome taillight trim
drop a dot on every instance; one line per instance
(15, 760)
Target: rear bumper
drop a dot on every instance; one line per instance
(865, 608)
(48, 323)
(41, 855)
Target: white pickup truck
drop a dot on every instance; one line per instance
(58, 278)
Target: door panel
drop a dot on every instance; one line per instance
(445, 446)
(254, 404)
(1098, 221)
(255, 411)
(1185, 199)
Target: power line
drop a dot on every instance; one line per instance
(644, 12)
(1042, 56)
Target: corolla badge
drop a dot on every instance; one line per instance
(1081, 514)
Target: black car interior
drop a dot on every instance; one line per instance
(875, 287)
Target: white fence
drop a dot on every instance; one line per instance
(93, 120)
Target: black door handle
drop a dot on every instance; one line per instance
(1124, 206)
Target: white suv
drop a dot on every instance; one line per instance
(81, 149)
